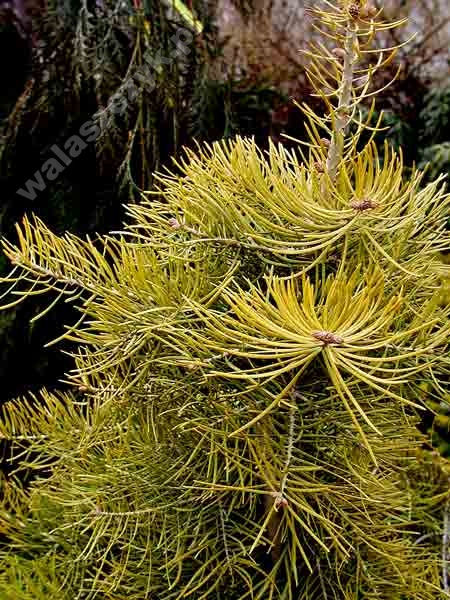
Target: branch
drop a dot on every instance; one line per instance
(341, 123)
(446, 548)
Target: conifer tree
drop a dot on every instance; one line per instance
(252, 355)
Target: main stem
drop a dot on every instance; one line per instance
(341, 122)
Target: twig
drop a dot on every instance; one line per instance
(224, 537)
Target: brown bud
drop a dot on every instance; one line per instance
(338, 52)
(354, 11)
(282, 502)
(279, 500)
(327, 337)
(362, 205)
(325, 142)
(368, 11)
(174, 224)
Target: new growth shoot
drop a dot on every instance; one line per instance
(342, 77)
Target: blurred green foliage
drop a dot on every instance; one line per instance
(424, 139)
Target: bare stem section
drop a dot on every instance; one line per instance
(342, 77)
(342, 117)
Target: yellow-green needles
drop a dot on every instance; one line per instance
(251, 357)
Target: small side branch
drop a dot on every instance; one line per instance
(276, 501)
